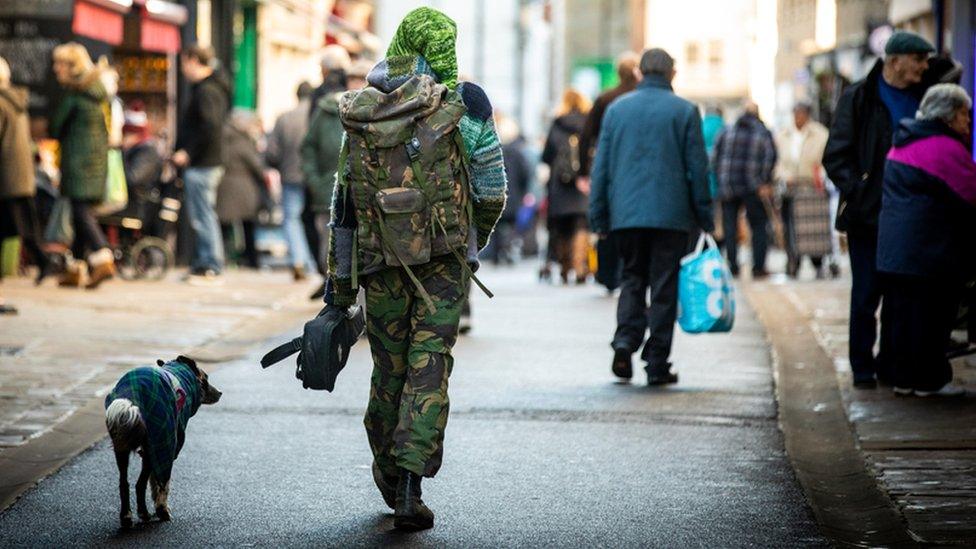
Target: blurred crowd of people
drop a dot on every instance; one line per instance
(225, 173)
(894, 175)
(621, 185)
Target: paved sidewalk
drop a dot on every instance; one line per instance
(923, 451)
(68, 347)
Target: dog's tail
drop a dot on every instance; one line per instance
(125, 425)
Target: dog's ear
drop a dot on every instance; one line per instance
(189, 362)
(159, 362)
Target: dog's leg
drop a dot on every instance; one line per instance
(141, 508)
(125, 515)
(160, 497)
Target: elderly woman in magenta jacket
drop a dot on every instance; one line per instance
(925, 242)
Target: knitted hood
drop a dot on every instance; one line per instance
(428, 33)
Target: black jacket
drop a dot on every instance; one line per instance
(203, 121)
(860, 138)
(563, 153)
(518, 174)
(594, 121)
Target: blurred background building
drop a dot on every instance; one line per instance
(524, 52)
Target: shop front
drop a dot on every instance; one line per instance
(140, 38)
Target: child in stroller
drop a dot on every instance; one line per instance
(142, 234)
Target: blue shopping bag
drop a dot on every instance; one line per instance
(706, 296)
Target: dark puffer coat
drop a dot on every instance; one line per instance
(563, 153)
(80, 127)
(928, 211)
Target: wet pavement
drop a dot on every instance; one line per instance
(543, 449)
(921, 451)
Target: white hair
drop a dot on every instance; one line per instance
(943, 101)
(4, 73)
(335, 57)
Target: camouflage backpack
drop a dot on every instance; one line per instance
(404, 165)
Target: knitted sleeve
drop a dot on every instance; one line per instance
(488, 184)
(339, 288)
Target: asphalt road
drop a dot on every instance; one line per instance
(543, 449)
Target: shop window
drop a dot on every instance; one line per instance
(692, 55)
(715, 52)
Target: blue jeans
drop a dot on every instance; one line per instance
(200, 186)
(293, 203)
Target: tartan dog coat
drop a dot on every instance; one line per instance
(167, 397)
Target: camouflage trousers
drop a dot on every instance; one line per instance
(411, 347)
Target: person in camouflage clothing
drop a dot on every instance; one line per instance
(438, 220)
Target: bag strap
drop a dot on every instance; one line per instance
(413, 151)
(282, 352)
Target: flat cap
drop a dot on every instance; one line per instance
(904, 42)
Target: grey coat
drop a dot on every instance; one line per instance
(16, 159)
(285, 143)
(240, 193)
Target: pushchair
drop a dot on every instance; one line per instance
(143, 234)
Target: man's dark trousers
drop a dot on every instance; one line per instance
(756, 215)
(651, 259)
(866, 295)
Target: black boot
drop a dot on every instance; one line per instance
(410, 512)
(386, 485)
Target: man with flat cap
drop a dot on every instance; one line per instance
(867, 114)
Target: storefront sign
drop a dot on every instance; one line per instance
(26, 44)
(36, 9)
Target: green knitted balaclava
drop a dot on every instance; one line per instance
(433, 35)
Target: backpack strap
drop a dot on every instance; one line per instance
(413, 151)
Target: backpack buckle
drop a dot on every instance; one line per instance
(413, 149)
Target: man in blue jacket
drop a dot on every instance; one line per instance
(650, 188)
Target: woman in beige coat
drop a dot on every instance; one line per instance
(805, 202)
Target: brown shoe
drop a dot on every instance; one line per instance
(100, 274)
(74, 275)
(298, 273)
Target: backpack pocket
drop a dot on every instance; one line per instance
(405, 224)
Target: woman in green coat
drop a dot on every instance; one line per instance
(80, 125)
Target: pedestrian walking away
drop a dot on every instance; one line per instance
(81, 127)
(650, 189)
(860, 138)
(609, 267)
(241, 193)
(744, 158)
(18, 215)
(925, 230)
(284, 154)
(407, 234)
(199, 153)
(805, 205)
(568, 200)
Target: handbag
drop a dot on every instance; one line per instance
(59, 228)
(116, 196)
(706, 295)
(324, 348)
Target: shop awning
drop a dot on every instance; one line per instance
(159, 28)
(100, 19)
